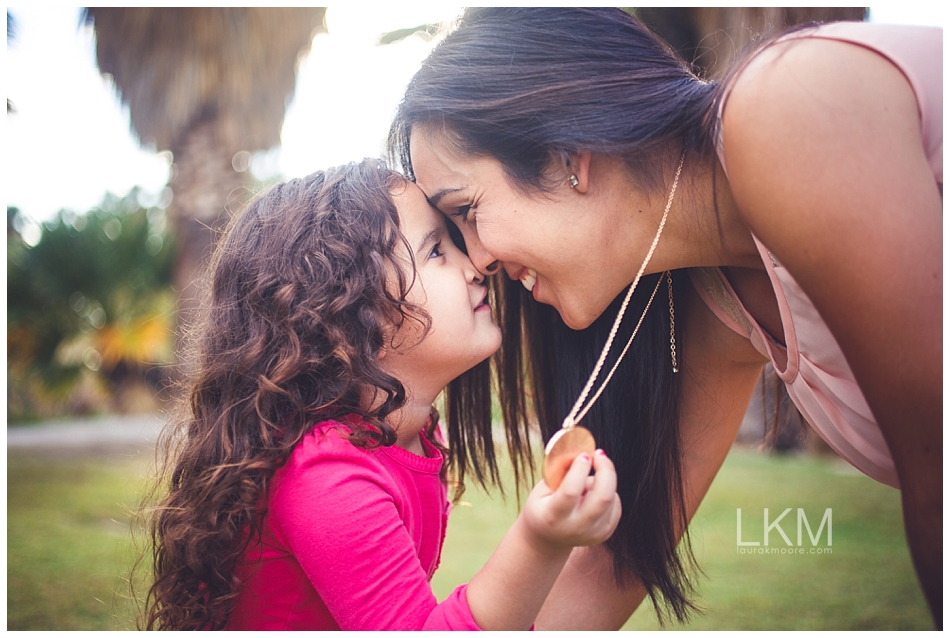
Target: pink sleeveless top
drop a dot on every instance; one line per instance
(814, 369)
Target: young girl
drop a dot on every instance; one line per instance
(308, 489)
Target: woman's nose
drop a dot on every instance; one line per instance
(483, 260)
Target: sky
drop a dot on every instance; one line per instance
(68, 143)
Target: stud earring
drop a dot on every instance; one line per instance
(573, 180)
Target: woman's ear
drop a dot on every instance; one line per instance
(580, 168)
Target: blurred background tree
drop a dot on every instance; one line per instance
(89, 310)
(95, 300)
(211, 85)
(710, 38)
(11, 33)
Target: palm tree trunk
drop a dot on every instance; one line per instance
(204, 83)
(206, 190)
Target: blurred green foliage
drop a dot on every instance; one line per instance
(89, 306)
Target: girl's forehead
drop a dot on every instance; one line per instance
(413, 207)
(407, 195)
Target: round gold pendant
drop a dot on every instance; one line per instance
(561, 450)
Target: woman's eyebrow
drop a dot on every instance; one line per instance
(435, 199)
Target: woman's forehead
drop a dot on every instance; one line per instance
(439, 169)
(426, 147)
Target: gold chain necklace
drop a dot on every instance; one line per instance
(573, 439)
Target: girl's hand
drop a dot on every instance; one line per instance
(584, 510)
(508, 591)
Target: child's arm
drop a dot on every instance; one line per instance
(508, 591)
(335, 513)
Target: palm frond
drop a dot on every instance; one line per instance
(175, 67)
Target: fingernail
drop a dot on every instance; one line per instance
(601, 452)
(584, 457)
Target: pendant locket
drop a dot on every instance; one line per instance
(561, 451)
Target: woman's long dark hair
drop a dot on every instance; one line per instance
(529, 87)
(543, 366)
(297, 308)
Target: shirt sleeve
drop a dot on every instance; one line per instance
(334, 512)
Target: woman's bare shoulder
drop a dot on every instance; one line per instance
(817, 72)
(801, 114)
(811, 87)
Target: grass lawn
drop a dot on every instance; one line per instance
(867, 582)
(69, 548)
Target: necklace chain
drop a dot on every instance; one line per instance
(669, 282)
(577, 413)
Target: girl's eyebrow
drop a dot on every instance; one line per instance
(429, 237)
(435, 199)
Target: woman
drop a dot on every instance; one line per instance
(803, 193)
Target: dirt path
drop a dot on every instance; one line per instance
(107, 434)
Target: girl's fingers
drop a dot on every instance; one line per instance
(590, 501)
(575, 481)
(602, 493)
(605, 474)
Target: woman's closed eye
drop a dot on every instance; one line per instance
(463, 213)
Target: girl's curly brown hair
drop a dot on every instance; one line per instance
(297, 308)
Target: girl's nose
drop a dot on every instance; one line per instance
(472, 273)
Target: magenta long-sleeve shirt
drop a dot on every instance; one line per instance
(351, 539)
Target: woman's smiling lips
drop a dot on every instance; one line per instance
(528, 278)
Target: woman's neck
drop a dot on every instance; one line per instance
(721, 237)
(703, 227)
